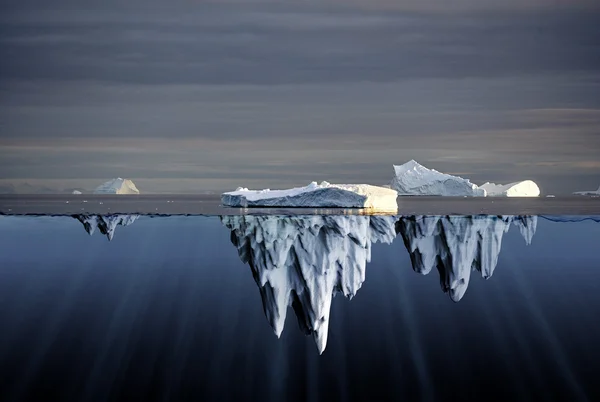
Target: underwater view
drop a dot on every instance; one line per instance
(299, 307)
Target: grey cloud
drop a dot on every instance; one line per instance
(261, 94)
(414, 110)
(230, 46)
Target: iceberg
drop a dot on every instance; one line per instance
(76, 192)
(324, 195)
(457, 245)
(591, 192)
(303, 261)
(526, 188)
(117, 186)
(413, 178)
(106, 224)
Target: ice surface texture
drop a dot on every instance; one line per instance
(413, 178)
(303, 261)
(106, 224)
(457, 245)
(526, 188)
(324, 195)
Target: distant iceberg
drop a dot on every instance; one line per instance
(526, 188)
(106, 224)
(591, 192)
(76, 192)
(413, 178)
(324, 195)
(117, 186)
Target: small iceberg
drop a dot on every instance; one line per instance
(106, 224)
(324, 195)
(413, 178)
(76, 192)
(117, 186)
(597, 192)
(526, 188)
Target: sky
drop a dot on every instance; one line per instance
(192, 96)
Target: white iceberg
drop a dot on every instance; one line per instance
(591, 192)
(76, 192)
(457, 245)
(117, 186)
(526, 188)
(413, 178)
(106, 224)
(303, 261)
(324, 195)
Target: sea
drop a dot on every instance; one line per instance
(179, 299)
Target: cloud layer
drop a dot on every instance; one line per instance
(274, 93)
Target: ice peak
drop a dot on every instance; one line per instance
(413, 178)
(117, 186)
(410, 165)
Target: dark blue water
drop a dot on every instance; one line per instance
(178, 309)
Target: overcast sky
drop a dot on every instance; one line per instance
(186, 96)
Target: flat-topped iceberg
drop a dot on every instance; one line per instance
(591, 192)
(413, 178)
(117, 186)
(324, 195)
(526, 188)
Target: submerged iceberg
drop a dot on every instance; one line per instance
(117, 186)
(413, 178)
(106, 224)
(526, 188)
(324, 195)
(597, 192)
(457, 245)
(303, 261)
